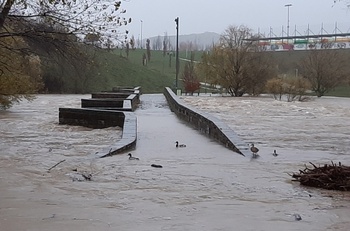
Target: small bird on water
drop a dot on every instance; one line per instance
(132, 158)
(254, 150)
(274, 153)
(180, 145)
(297, 217)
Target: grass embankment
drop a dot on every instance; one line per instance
(120, 71)
(160, 70)
(288, 63)
(159, 63)
(341, 91)
(108, 69)
(115, 69)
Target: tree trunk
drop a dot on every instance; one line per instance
(5, 11)
(319, 94)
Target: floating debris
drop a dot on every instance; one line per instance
(156, 166)
(332, 177)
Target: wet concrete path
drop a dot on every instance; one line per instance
(159, 129)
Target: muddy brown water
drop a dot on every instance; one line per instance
(201, 187)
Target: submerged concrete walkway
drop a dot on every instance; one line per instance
(159, 128)
(206, 123)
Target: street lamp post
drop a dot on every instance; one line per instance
(288, 5)
(141, 33)
(177, 51)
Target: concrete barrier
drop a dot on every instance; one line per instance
(95, 118)
(102, 103)
(134, 100)
(207, 124)
(107, 109)
(124, 101)
(124, 89)
(110, 95)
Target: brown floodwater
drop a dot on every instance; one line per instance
(201, 187)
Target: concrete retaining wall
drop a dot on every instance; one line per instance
(91, 118)
(94, 118)
(107, 109)
(126, 89)
(102, 102)
(110, 95)
(134, 100)
(207, 124)
(123, 101)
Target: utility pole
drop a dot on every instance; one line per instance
(177, 51)
(288, 5)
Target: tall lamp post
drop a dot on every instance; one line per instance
(141, 33)
(177, 51)
(288, 5)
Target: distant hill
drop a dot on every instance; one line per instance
(200, 41)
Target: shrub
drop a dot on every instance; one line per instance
(275, 87)
(293, 88)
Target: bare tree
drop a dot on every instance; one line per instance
(78, 17)
(127, 49)
(144, 59)
(148, 48)
(189, 77)
(132, 42)
(170, 58)
(170, 46)
(346, 2)
(229, 63)
(325, 69)
(165, 44)
(158, 44)
(260, 70)
(61, 23)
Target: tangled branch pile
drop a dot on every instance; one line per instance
(333, 177)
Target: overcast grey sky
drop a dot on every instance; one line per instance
(197, 16)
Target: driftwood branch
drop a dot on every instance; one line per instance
(56, 165)
(333, 176)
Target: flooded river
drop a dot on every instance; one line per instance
(201, 187)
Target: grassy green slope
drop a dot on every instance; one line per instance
(161, 64)
(120, 71)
